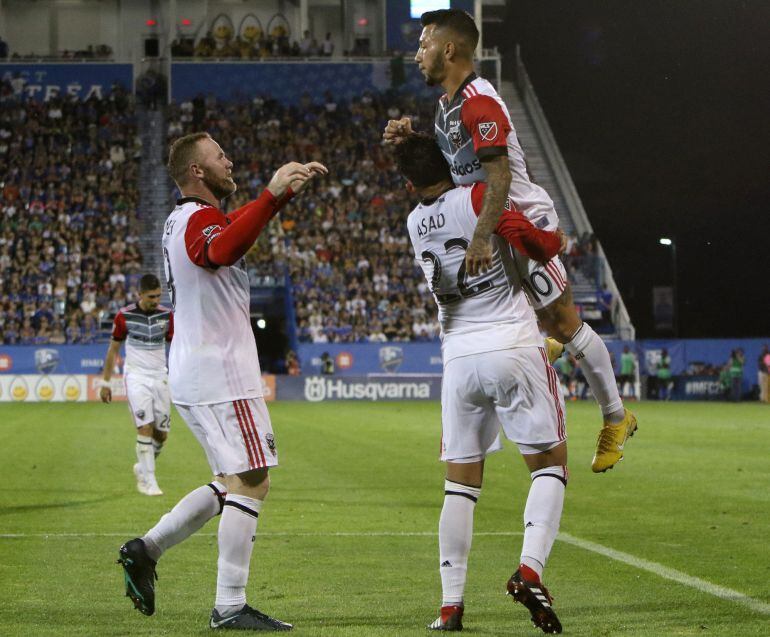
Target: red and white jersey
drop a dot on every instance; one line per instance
(476, 125)
(146, 335)
(213, 357)
(477, 314)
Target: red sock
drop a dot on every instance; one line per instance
(527, 574)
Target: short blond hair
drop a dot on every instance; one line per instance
(182, 154)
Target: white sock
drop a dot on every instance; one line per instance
(591, 352)
(157, 447)
(145, 456)
(455, 532)
(189, 515)
(542, 515)
(237, 530)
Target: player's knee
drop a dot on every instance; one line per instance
(145, 430)
(254, 483)
(159, 436)
(560, 321)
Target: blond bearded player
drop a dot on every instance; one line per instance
(146, 327)
(214, 374)
(479, 143)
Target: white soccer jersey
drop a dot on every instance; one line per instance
(477, 314)
(145, 334)
(213, 357)
(475, 125)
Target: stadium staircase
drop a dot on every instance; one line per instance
(154, 201)
(549, 170)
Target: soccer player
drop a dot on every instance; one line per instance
(214, 374)
(146, 327)
(475, 133)
(496, 373)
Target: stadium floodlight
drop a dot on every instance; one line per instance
(665, 241)
(261, 324)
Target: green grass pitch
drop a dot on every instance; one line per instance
(346, 543)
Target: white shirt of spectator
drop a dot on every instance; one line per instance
(213, 356)
(478, 314)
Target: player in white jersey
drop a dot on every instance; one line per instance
(478, 140)
(145, 327)
(214, 374)
(496, 375)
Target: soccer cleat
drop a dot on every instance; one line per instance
(450, 618)
(247, 618)
(151, 487)
(139, 573)
(538, 601)
(554, 349)
(611, 442)
(140, 481)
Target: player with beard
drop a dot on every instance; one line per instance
(214, 373)
(476, 136)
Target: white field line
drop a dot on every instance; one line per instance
(619, 556)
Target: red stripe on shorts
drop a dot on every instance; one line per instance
(245, 435)
(553, 384)
(247, 409)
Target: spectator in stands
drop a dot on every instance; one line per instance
(292, 364)
(327, 46)
(306, 44)
(763, 368)
(735, 370)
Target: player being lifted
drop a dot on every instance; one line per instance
(476, 136)
(496, 373)
(214, 374)
(146, 327)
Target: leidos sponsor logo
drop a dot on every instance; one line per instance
(318, 388)
(19, 389)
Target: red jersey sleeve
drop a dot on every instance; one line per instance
(170, 328)
(516, 229)
(119, 328)
(203, 227)
(488, 125)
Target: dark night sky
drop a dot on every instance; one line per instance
(661, 110)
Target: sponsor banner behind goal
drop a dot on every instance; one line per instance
(43, 388)
(362, 388)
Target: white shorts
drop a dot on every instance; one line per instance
(542, 282)
(236, 436)
(149, 401)
(513, 388)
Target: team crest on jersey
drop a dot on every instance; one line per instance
(454, 134)
(488, 130)
(209, 229)
(140, 414)
(270, 442)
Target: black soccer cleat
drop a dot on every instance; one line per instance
(139, 573)
(538, 601)
(450, 619)
(247, 618)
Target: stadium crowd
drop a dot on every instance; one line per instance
(344, 245)
(69, 233)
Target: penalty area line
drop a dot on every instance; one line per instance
(672, 574)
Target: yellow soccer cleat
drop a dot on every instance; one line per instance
(553, 349)
(612, 440)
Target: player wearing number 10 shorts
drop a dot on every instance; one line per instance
(496, 376)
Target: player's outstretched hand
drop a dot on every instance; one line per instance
(397, 130)
(316, 169)
(285, 175)
(478, 257)
(105, 393)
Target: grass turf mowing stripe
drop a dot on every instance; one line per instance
(668, 573)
